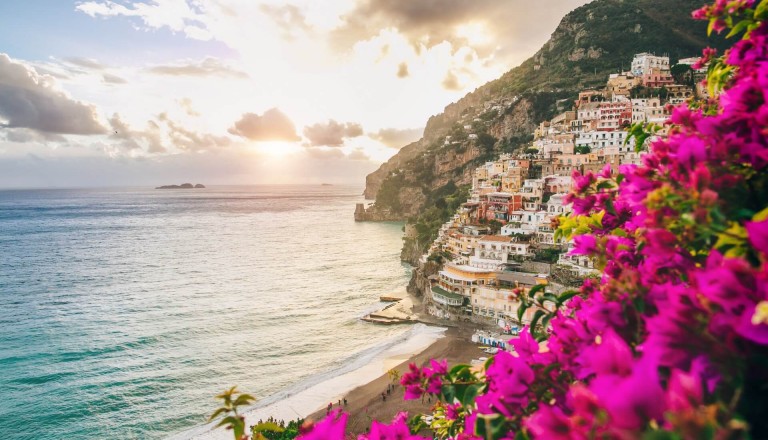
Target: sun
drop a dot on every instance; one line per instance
(277, 148)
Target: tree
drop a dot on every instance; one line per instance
(582, 149)
(682, 73)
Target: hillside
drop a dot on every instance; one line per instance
(589, 43)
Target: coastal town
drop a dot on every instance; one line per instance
(502, 241)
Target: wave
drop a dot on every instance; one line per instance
(270, 406)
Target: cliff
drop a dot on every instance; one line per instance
(590, 42)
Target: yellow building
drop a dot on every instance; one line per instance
(500, 300)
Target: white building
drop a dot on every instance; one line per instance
(642, 63)
(597, 140)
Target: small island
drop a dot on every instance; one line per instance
(182, 186)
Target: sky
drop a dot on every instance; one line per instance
(123, 92)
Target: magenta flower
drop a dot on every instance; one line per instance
(758, 235)
(610, 354)
(452, 411)
(684, 391)
(509, 381)
(550, 422)
(397, 430)
(330, 428)
(584, 245)
(412, 381)
(632, 401)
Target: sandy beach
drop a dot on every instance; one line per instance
(362, 387)
(365, 403)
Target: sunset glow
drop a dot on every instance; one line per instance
(141, 85)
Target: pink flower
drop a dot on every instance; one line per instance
(452, 411)
(550, 422)
(634, 400)
(609, 355)
(684, 391)
(758, 235)
(509, 381)
(412, 381)
(584, 245)
(397, 430)
(330, 428)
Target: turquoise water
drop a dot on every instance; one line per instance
(123, 312)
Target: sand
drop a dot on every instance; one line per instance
(365, 403)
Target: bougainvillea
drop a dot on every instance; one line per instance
(672, 342)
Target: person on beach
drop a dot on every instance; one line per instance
(345, 401)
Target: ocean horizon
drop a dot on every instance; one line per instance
(126, 310)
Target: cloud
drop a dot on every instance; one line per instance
(127, 138)
(288, 18)
(177, 15)
(162, 135)
(186, 105)
(273, 125)
(113, 79)
(30, 100)
(402, 70)
(489, 27)
(25, 135)
(451, 81)
(397, 138)
(206, 67)
(87, 63)
(331, 134)
(190, 140)
(358, 154)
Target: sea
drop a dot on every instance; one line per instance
(123, 312)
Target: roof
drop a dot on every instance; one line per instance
(466, 268)
(450, 295)
(497, 238)
(511, 277)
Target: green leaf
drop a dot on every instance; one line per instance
(740, 26)
(217, 413)
(456, 369)
(605, 184)
(470, 394)
(490, 426)
(565, 296)
(535, 320)
(229, 421)
(548, 297)
(536, 289)
(520, 311)
(449, 392)
(243, 399)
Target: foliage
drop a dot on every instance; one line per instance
(231, 401)
(672, 342)
(546, 255)
(389, 194)
(682, 73)
(276, 430)
(443, 203)
(582, 149)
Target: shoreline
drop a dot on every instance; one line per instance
(309, 397)
(365, 403)
(362, 384)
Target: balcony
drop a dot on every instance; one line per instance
(442, 296)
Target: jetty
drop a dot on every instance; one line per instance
(398, 311)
